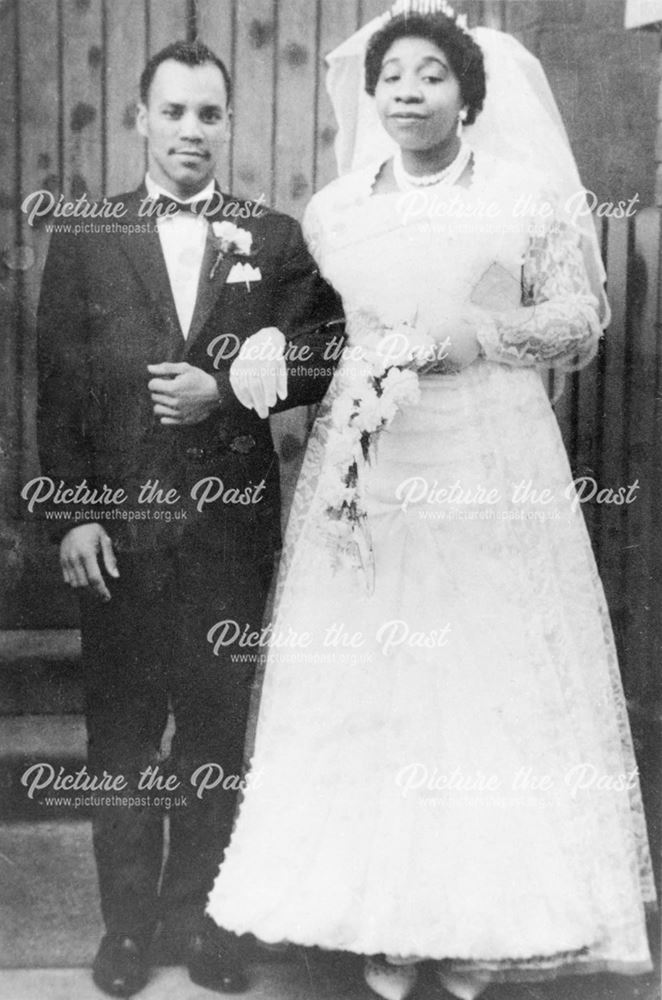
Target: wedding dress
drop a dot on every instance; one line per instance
(443, 768)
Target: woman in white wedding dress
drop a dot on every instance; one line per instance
(443, 767)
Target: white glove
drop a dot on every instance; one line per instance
(258, 375)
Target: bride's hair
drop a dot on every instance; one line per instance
(463, 53)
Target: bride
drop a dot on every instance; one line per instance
(443, 768)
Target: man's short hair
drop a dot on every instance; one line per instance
(188, 53)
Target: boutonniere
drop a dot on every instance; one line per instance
(229, 239)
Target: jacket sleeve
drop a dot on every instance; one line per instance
(62, 358)
(309, 313)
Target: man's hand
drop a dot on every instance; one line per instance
(182, 395)
(258, 375)
(79, 559)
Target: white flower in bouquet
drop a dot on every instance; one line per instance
(401, 387)
(357, 373)
(369, 417)
(335, 491)
(376, 378)
(371, 351)
(343, 409)
(389, 409)
(343, 446)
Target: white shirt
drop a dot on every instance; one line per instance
(183, 238)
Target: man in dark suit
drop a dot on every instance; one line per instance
(137, 331)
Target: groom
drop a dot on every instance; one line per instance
(174, 496)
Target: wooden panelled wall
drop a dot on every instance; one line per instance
(68, 76)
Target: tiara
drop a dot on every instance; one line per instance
(429, 7)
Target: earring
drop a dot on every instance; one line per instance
(461, 118)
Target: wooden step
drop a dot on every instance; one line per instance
(40, 672)
(297, 980)
(57, 741)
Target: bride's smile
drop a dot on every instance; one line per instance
(419, 100)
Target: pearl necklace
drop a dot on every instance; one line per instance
(449, 175)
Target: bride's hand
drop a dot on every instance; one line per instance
(456, 337)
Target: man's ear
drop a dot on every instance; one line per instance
(141, 119)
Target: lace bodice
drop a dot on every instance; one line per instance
(499, 245)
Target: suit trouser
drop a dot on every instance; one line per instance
(144, 650)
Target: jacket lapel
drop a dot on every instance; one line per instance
(209, 288)
(143, 248)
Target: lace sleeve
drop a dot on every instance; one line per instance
(557, 325)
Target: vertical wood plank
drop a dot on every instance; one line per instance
(640, 448)
(82, 97)
(10, 261)
(337, 23)
(296, 80)
(587, 436)
(372, 8)
(254, 97)
(294, 164)
(653, 690)
(216, 25)
(39, 116)
(39, 85)
(168, 22)
(494, 15)
(126, 53)
(612, 470)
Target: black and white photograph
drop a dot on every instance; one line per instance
(331, 499)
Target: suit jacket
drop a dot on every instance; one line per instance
(106, 311)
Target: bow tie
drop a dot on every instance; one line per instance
(168, 206)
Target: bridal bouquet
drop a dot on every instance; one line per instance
(378, 377)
